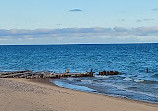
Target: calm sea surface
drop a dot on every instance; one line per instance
(129, 59)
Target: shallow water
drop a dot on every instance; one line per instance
(129, 59)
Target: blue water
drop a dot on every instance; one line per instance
(129, 59)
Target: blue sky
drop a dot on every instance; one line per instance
(63, 14)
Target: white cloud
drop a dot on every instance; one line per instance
(81, 35)
(75, 10)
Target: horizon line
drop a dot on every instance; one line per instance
(77, 44)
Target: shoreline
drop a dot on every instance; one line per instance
(47, 81)
(34, 95)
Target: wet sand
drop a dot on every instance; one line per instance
(40, 95)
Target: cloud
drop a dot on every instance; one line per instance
(94, 30)
(81, 35)
(75, 10)
(154, 9)
(117, 31)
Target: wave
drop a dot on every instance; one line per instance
(146, 81)
(127, 79)
(70, 79)
(130, 89)
(89, 81)
(99, 76)
(120, 87)
(155, 75)
(138, 80)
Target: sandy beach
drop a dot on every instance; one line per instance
(40, 95)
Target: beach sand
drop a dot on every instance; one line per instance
(40, 95)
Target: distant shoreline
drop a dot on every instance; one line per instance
(73, 44)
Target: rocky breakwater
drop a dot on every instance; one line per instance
(106, 73)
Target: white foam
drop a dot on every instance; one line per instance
(138, 80)
(99, 76)
(125, 88)
(127, 79)
(113, 85)
(89, 81)
(70, 79)
(144, 93)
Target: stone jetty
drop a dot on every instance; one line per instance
(109, 73)
(44, 74)
(34, 75)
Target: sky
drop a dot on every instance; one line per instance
(78, 21)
